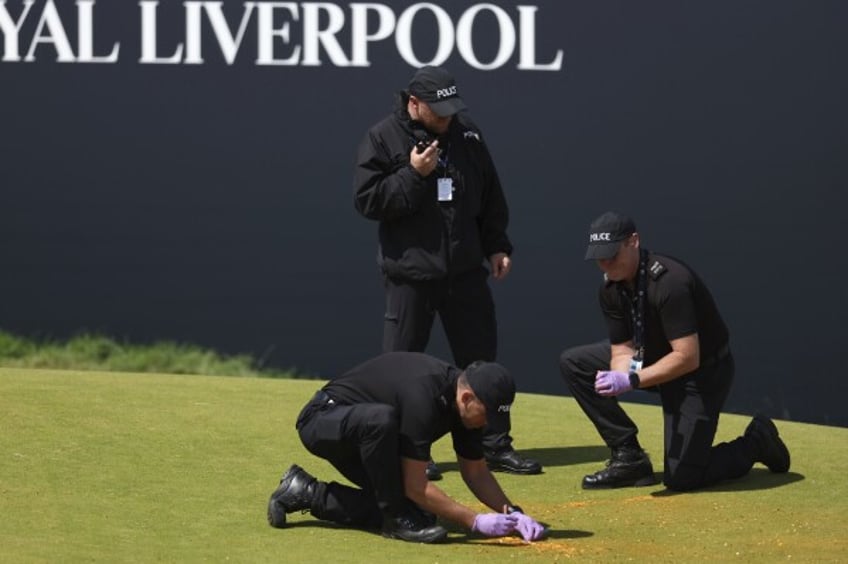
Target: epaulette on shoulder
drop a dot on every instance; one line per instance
(657, 269)
(470, 131)
(471, 134)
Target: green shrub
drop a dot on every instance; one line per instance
(12, 347)
(99, 352)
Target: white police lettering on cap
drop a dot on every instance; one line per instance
(595, 237)
(446, 92)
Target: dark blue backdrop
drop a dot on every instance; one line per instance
(212, 203)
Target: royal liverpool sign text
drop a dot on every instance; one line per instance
(305, 34)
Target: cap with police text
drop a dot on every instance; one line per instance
(493, 385)
(436, 87)
(606, 234)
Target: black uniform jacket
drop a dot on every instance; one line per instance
(422, 389)
(420, 237)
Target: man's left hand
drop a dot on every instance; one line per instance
(609, 383)
(529, 528)
(501, 265)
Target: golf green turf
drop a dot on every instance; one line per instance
(112, 467)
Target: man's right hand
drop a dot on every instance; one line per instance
(610, 383)
(495, 524)
(529, 528)
(425, 162)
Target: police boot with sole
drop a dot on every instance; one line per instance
(629, 466)
(512, 462)
(409, 527)
(295, 493)
(769, 448)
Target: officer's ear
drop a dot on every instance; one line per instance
(466, 396)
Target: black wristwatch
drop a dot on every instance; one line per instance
(513, 509)
(634, 380)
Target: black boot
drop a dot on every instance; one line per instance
(295, 493)
(769, 448)
(413, 527)
(510, 461)
(629, 466)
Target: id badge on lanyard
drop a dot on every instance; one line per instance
(445, 189)
(636, 362)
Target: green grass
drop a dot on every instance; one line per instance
(89, 351)
(108, 467)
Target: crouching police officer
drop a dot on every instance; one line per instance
(376, 424)
(666, 335)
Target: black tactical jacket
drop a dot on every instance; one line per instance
(421, 238)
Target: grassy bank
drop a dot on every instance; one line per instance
(107, 467)
(99, 352)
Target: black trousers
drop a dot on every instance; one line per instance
(691, 408)
(467, 312)
(360, 441)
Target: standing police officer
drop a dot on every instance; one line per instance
(376, 424)
(665, 335)
(426, 175)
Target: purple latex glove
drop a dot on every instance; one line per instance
(528, 527)
(495, 524)
(610, 383)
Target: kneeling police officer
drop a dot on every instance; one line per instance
(376, 423)
(666, 335)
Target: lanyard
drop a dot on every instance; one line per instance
(637, 306)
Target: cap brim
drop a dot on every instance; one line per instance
(602, 250)
(447, 107)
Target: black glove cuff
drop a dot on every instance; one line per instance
(513, 509)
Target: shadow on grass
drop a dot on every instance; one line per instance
(567, 534)
(465, 536)
(552, 456)
(517, 542)
(757, 479)
(330, 526)
(457, 535)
